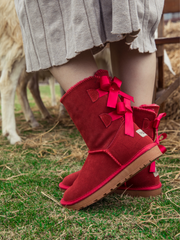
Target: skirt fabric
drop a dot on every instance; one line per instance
(58, 30)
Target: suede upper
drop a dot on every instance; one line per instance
(143, 117)
(111, 149)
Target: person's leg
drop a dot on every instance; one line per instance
(136, 70)
(100, 128)
(78, 68)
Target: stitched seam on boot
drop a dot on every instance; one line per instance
(108, 153)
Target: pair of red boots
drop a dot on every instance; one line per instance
(118, 148)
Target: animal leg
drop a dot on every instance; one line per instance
(22, 96)
(52, 89)
(33, 85)
(8, 84)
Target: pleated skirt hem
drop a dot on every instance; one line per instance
(56, 31)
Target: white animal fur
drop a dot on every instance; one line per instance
(12, 67)
(11, 64)
(8, 84)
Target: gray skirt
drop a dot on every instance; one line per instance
(56, 31)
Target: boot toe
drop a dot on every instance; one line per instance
(94, 174)
(68, 180)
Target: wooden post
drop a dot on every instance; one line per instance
(171, 6)
(160, 55)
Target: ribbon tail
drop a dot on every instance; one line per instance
(129, 124)
(112, 99)
(162, 148)
(152, 167)
(124, 95)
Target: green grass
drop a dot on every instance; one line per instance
(29, 193)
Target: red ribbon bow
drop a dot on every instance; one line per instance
(158, 139)
(124, 107)
(113, 87)
(156, 126)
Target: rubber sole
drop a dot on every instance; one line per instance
(136, 166)
(135, 193)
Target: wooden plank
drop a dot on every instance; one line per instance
(160, 48)
(161, 72)
(154, 92)
(171, 6)
(161, 27)
(161, 41)
(166, 92)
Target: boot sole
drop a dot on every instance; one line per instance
(135, 193)
(136, 166)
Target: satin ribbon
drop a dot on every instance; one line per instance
(125, 109)
(113, 87)
(122, 108)
(158, 139)
(156, 126)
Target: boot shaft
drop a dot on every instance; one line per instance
(89, 112)
(144, 116)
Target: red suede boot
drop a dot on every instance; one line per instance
(146, 183)
(118, 149)
(146, 118)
